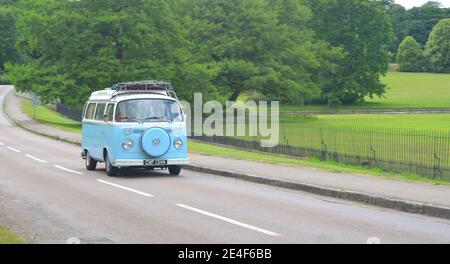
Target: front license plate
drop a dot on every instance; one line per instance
(155, 162)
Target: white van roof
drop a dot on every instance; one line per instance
(135, 90)
(109, 95)
(103, 95)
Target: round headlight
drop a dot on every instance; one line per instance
(127, 145)
(178, 144)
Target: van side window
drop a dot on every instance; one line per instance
(99, 113)
(110, 112)
(83, 114)
(90, 111)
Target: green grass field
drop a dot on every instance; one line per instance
(6, 237)
(406, 91)
(435, 122)
(416, 90)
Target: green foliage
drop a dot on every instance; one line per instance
(4, 80)
(256, 45)
(417, 22)
(6, 237)
(197, 78)
(286, 50)
(7, 36)
(363, 30)
(410, 55)
(74, 48)
(8, 2)
(438, 47)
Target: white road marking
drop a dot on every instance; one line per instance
(36, 159)
(2, 144)
(126, 188)
(13, 149)
(68, 170)
(228, 220)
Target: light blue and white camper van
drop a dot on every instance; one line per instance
(136, 124)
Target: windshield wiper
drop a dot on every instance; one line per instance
(158, 119)
(133, 119)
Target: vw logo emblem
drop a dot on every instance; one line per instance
(156, 142)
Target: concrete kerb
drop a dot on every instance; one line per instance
(369, 199)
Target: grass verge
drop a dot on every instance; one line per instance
(46, 115)
(52, 118)
(6, 237)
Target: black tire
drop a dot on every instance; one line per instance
(174, 170)
(110, 169)
(91, 164)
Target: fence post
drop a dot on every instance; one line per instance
(436, 166)
(436, 159)
(323, 155)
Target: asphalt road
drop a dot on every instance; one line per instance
(47, 196)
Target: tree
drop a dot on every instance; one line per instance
(438, 47)
(8, 52)
(410, 55)
(422, 20)
(72, 48)
(416, 22)
(8, 2)
(399, 17)
(363, 30)
(255, 45)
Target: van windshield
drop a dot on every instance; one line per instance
(148, 110)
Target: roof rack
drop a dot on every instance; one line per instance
(149, 86)
(142, 86)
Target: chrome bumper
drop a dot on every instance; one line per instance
(140, 162)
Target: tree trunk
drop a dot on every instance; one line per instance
(234, 96)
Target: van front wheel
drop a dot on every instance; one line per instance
(110, 169)
(91, 163)
(174, 170)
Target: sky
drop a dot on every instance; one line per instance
(412, 3)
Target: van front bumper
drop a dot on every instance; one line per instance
(140, 162)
